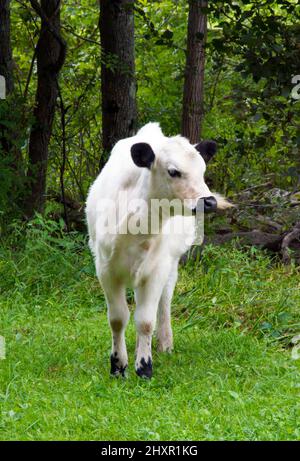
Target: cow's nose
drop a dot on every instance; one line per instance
(210, 204)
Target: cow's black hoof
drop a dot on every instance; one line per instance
(115, 369)
(144, 369)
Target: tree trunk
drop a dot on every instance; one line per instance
(50, 58)
(118, 85)
(6, 61)
(192, 112)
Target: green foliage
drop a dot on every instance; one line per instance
(160, 58)
(14, 124)
(80, 88)
(229, 351)
(251, 55)
(253, 51)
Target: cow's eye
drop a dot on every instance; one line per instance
(174, 173)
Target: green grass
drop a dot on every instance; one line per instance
(231, 375)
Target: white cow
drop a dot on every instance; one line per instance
(146, 167)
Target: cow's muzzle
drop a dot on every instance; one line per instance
(210, 205)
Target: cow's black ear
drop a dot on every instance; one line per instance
(207, 149)
(142, 154)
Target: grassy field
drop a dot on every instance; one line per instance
(231, 376)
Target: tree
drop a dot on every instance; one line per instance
(118, 85)
(50, 54)
(6, 61)
(192, 112)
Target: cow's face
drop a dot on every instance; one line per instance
(177, 171)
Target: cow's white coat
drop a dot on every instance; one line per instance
(147, 263)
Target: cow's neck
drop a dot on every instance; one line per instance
(145, 191)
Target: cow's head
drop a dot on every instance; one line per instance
(177, 171)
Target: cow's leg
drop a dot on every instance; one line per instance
(164, 330)
(147, 298)
(118, 316)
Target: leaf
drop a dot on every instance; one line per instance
(168, 34)
(266, 326)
